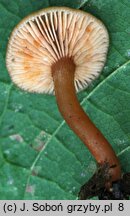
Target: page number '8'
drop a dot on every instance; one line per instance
(121, 207)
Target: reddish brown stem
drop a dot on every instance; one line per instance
(63, 75)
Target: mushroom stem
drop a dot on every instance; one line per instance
(63, 75)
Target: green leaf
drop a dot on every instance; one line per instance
(40, 157)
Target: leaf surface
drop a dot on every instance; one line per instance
(40, 157)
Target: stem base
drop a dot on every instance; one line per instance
(96, 186)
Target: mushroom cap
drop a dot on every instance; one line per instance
(44, 37)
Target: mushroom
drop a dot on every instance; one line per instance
(61, 51)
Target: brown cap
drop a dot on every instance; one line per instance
(44, 37)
